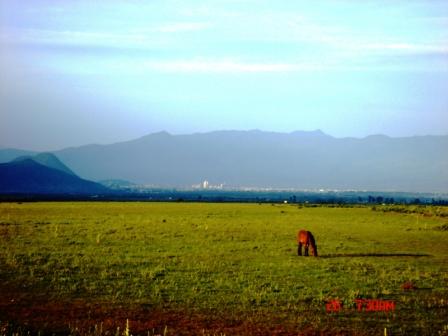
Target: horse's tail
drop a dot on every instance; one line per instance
(313, 244)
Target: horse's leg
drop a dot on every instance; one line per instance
(299, 249)
(306, 250)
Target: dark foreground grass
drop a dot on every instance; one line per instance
(197, 268)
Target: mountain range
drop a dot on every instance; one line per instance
(302, 160)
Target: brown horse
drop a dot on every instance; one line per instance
(306, 238)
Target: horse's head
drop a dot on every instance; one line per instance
(313, 246)
(314, 250)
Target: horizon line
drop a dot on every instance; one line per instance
(253, 130)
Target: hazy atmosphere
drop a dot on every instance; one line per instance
(80, 72)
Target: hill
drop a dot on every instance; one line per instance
(30, 177)
(49, 160)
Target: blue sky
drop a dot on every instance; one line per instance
(80, 72)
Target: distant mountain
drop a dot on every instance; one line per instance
(49, 160)
(30, 177)
(9, 154)
(302, 160)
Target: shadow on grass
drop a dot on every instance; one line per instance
(381, 255)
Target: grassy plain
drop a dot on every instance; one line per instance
(214, 269)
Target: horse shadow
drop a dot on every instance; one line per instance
(379, 255)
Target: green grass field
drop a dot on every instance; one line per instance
(215, 269)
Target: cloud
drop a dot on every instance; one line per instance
(412, 48)
(69, 37)
(244, 41)
(135, 37)
(178, 27)
(225, 66)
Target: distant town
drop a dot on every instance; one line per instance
(207, 186)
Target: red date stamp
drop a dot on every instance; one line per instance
(361, 305)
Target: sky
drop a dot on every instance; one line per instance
(85, 71)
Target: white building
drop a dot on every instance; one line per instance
(205, 184)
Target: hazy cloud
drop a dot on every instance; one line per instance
(178, 27)
(225, 66)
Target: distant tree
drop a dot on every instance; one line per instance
(389, 200)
